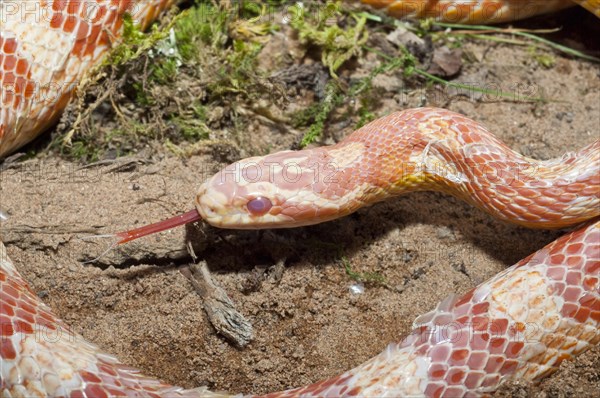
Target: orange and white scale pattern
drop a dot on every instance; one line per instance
(46, 47)
(592, 6)
(520, 324)
(412, 150)
(42, 357)
(477, 11)
(469, 11)
(436, 149)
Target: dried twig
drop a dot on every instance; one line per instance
(220, 309)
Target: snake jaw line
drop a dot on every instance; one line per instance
(181, 219)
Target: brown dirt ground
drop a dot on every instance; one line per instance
(135, 302)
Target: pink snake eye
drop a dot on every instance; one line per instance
(259, 206)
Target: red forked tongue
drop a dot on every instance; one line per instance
(128, 236)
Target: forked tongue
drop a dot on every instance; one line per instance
(185, 218)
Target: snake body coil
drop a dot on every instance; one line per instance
(416, 149)
(520, 324)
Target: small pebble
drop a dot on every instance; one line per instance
(444, 233)
(407, 256)
(357, 288)
(401, 37)
(567, 116)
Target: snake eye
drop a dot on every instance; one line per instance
(259, 206)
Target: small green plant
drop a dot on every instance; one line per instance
(319, 113)
(545, 60)
(482, 32)
(202, 25)
(165, 71)
(365, 114)
(338, 44)
(237, 71)
(331, 100)
(141, 96)
(208, 45)
(366, 277)
(134, 42)
(191, 129)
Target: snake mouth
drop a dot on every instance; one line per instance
(181, 219)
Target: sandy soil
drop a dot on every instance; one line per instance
(136, 303)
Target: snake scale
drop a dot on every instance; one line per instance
(464, 347)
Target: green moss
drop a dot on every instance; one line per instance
(305, 117)
(202, 25)
(166, 71)
(331, 100)
(366, 277)
(545, 60)
(319, 113)
(200, 112)
(141, 96)
(134, 42)
(337, 43)
(213, 44)
(237, 70)
(364, 113)
(84, 150)
(191, 129)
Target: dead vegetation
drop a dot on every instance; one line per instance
(200, 76)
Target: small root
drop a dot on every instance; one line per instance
(114, 244)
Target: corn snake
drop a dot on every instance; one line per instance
(541, 275)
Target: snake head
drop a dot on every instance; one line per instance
(281, 190)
